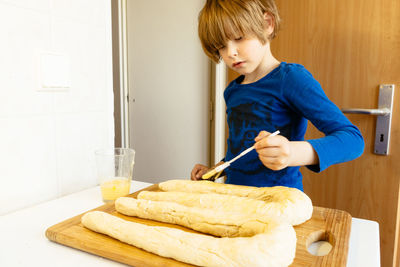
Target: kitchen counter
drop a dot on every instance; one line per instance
(23, 240)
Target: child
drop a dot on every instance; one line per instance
(268, 96)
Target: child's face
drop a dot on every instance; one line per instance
(245, 55)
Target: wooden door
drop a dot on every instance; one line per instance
(351, 47)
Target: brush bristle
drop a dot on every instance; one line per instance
(208, 174)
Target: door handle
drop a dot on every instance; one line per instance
(383, 119)
(376, 112)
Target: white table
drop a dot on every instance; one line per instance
(23, 240)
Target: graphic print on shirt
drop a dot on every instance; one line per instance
(245, 122)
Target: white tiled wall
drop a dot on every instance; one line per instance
(47, 139)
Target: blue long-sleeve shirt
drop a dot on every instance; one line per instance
(285, 99)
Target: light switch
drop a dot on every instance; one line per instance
(54, 72)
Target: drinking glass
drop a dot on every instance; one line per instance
(114, 171)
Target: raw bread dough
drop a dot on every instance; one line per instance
(290, 203)
(215, 222)
(274, 248)
(264, 211)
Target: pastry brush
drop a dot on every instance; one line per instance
(220, 168)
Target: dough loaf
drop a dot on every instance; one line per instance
(292, 204)
(210, 221)
(263, 211)
(276, 247)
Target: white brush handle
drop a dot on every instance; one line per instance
(241, 154)
(226, 164)
(222, 167)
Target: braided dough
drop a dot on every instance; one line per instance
(215, 222)
(273, 248)
(283, 204)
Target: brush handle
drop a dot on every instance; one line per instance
(223, 166)
(250, 148)
(226, 164)
(241, 154)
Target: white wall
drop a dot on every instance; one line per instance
(47, 139)
(169, 82)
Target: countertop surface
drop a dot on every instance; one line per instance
(23, 240)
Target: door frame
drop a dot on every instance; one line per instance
(219, 107)
(120, 73)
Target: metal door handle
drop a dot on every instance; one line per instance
(376, 112)
(383, 119)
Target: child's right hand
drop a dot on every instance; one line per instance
(198, 171)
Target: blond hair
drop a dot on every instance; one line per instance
(223, 20)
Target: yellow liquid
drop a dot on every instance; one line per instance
(113, 189)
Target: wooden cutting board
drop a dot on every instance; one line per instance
(326, 224)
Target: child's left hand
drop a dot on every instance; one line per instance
(274, 152)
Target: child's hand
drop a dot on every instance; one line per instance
(198, 171)
(274, 152)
